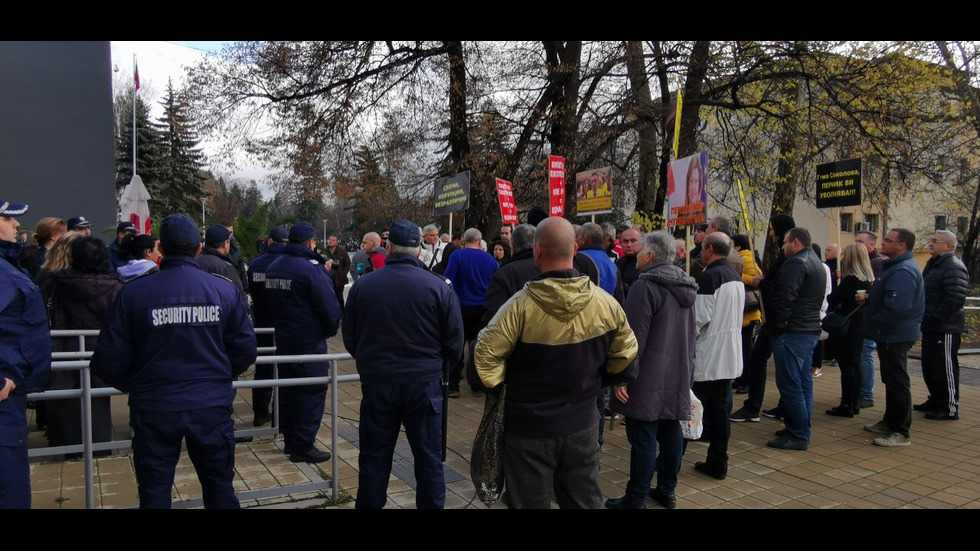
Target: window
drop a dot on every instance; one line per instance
(846, 222)
(871, 220)
(962, 225)
(940, 222)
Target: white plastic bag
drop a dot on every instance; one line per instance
(693, 427)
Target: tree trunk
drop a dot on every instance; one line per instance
(563, 70)
(645, 116)
(968, 95)
(697, 70)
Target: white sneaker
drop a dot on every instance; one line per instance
(893, 439)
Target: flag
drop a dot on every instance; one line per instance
(136, 74)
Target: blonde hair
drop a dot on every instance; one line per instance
(59, 257)
(855, 261)
(49, 228)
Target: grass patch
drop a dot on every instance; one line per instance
(343, 496)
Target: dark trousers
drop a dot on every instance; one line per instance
(893, 359)
(262, 397)
(300, 409)
(339, 291)
(564, 469)
(15, 467)
(384, 409)
(645, 437)
(816, 360)
(749, 333)
(209, 434)
(941, 371)
(472, 324)
(847, 349)
(716, 397)
(756, 371)
(65, 422)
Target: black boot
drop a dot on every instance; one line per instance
(854, 407)
(843, 410)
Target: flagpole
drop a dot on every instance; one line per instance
(136, 86)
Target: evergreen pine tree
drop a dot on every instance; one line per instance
(183, 160)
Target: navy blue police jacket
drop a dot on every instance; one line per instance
(175, 339)
(416, 313)
(306, 311)
(262, 310)
(25, 343)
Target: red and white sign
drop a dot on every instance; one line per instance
(508, 210)
(556, 185)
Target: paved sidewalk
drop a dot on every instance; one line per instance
(842, 469)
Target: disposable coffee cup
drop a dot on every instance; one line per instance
(862, 294)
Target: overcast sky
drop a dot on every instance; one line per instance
(159, 61)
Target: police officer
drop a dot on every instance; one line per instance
(175, 340)
(307, 314)
(418, 314)
(262, 316)
(80, 224)
(25, 360)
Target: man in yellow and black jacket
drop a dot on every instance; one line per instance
(554, 344)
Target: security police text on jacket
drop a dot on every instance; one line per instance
(153, 345)
(306, 308)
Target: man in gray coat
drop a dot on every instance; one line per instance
(660, 310)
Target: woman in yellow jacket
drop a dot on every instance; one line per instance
(753, 315)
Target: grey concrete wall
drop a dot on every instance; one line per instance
(56, 142)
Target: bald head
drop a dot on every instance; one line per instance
(554, 244)
(371, 241)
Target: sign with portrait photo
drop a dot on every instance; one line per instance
(687, 190)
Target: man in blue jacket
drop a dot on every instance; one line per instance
(25, 360)
(894, 313)
(417, 315)
(263, 316)
(175, 340)
(306, 315)
(470, 270)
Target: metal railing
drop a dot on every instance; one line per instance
(79, 361)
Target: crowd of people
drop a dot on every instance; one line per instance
(582, 323)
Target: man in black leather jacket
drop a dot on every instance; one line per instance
(793, 319)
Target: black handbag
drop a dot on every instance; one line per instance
(487, 459)
(836, 324)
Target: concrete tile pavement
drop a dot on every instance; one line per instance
(842, 469)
